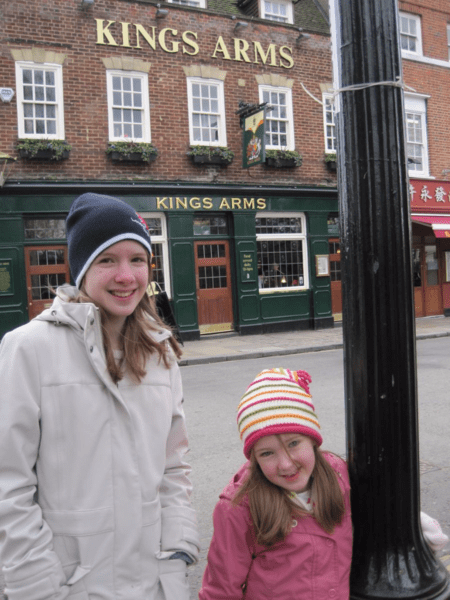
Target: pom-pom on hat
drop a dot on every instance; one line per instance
(96, 222)
(277, 401)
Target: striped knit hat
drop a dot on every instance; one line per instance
(277, 401)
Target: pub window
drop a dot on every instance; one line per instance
(44, 229)
(279, 121)
(128, 106)
(281, 251)
(40, 110)
(206, 112)
(210, 225)
(160, 252)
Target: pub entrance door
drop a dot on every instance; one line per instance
(213, 284)
(427, 289)
(46, 268)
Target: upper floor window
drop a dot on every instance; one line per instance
(40, 100)
(448, 40)
(329, 123)
(277, 10)
(416, 135)
(128, 106)
(206, 112)
(279, 121)
(410, 34)
(194, 3)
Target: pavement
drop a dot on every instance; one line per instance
(232, 346)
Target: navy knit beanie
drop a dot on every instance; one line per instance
(96, 222)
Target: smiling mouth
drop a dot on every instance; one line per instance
(291, 477)
(122, 294)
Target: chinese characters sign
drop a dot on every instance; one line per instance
(429, 195)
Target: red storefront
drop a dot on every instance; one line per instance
(430, 214)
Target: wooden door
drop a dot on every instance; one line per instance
(46, 267)
(213, 283)
(335, 275)
(432, 288)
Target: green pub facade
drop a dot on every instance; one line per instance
(249, 260)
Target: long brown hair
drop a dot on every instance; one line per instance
(136, 339)
(272, 508)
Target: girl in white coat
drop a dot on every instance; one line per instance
(94, 488)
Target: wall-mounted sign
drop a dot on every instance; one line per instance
(248, 266)
(322, 265)
(6, 279)
(253, 146)
(6, 94)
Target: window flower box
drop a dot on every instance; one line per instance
(210, 155)
(331, 161)
(136, 152)
(38, 149)
(280, 159)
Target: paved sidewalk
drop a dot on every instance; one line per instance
(231, 346)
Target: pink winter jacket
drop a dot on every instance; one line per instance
(309, 564)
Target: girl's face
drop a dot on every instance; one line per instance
(287, 460)
(118, 279)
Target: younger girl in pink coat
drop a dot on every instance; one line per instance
(282, 527)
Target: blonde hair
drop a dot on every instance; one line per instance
(272, 507)
(136, 339)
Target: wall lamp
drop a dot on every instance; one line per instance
(242, 24)
(87, 3)
(302, 36)
(161, 13)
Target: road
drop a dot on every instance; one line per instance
(212, 393)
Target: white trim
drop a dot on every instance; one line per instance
(415, 104)
(145, 109)
(222, 132)
(190, 3)
(290, 145)
(426, 60)
(327, 96)
(59, 100)
(107, 244)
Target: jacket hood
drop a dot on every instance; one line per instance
(235, 483)
(75, 314)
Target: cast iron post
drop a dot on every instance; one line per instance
(391, 558)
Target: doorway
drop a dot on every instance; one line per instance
(427, 289)
(335, 277)
(213, 286)
(46, 268)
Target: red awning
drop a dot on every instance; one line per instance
(440, 225)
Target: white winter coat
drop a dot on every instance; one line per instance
(94, 488)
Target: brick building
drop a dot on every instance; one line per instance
(425, 35)
(236, 248)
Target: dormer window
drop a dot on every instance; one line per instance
(194, 3)
(277, 10)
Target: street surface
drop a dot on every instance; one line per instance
(212, 393)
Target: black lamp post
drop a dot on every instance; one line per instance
(391, 558)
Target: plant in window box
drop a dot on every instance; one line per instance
(132, 152)
(331, 161)
(210, 155)
(283, 158)
(41, 149)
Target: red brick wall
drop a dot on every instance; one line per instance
(66, 28)
(433, 80)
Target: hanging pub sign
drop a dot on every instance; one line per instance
(253, 147)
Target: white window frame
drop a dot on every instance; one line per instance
(329, 109)
(59, 100)
(222, 133)
(448, 41)
(164, 242)
(289, 115)
(271, 17)
(300, 237)
(146, 131)
(192, 3)
(418, 37)
(416, 106)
